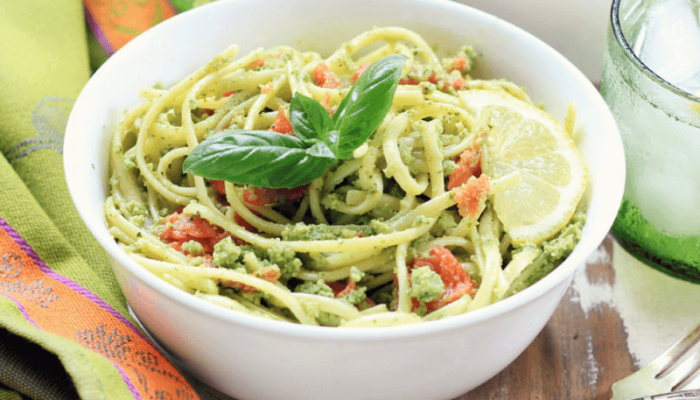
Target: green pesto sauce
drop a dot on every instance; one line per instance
(554, 251)
(227, 254)
(286, 259)
(193, 247)
(301, 231)
(426, 285)
(318, 288)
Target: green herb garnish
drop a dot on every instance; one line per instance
(274, 160)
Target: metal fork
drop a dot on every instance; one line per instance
(678, 368)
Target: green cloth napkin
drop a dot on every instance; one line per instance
(65, 330)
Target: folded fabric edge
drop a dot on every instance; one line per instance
(28, 369)
(91, 374)
(41, 296)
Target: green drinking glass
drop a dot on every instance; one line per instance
(651, 67)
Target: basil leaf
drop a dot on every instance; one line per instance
(258, 158)
(321, 150)
(310, 119)
(364, 107)
(273, 160)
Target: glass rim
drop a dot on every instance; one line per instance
(636, 61)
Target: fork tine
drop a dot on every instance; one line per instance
(675, 352)
(693, 383)
(656, 377)
(683, 371)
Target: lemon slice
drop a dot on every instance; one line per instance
(525, 139)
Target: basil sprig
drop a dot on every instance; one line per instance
(274, 160)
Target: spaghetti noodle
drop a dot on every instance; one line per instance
(389, 236)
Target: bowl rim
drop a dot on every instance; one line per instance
(593, 236)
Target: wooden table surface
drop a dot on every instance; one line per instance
(584, 348)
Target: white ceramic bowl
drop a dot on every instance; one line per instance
(251, 358)
(560, 23)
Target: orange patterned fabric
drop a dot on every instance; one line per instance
(116, 22)
(49, 301)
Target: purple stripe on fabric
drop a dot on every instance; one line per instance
(32, 141)
(18, 145)
(73, 285)
(126, 379)
(58, 147)
(22, 310)
(79, 289)
(99, 34)
(172, 6)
